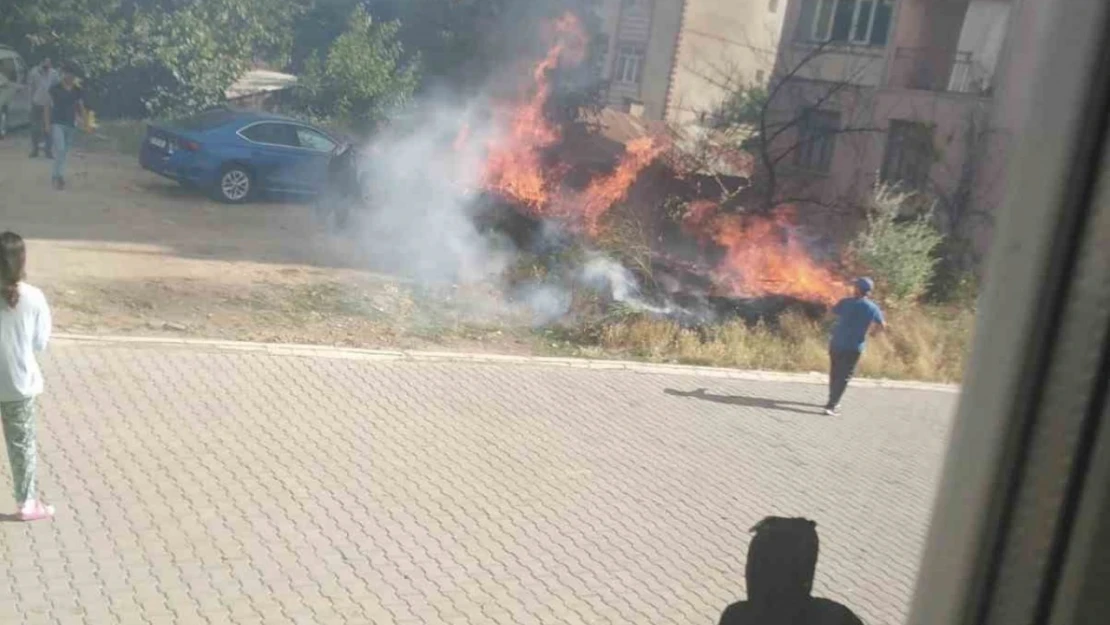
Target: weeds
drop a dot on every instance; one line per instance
(922, 344)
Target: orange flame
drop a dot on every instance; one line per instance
(763, 256)
(515, 167)
(603, 193)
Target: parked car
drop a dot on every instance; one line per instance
(15, 96)
(237, 155)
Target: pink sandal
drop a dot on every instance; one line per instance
(36, 511)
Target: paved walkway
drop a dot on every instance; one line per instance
(198, 485)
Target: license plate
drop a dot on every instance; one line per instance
(158, 142)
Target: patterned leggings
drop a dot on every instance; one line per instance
(19, 434)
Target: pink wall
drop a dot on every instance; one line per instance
(933, 25)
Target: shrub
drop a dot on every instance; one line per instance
(896, 250)
(364, 75)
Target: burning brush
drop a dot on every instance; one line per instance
(762, 268)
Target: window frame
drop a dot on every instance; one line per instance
(833, 5)
(240, 133)
(810, 144)
(625, 52)
(1022, 512)
(299, 128)
(900, 136)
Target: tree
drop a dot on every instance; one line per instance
(772, 121)
(364, 75)
(151, 57)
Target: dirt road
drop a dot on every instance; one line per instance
(122, 251)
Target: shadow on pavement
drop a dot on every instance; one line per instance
(744, 400)
(782, 562)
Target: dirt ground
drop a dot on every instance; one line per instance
(122, 251)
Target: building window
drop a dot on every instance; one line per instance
(630, 63)
(909, 154)
(760, 75)
(816, 139)
(773, 6)
(863, 22)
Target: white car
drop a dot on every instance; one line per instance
(15, 95)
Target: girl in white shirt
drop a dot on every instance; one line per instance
(24, 331)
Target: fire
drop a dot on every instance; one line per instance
(515, 165)
(602, 193)
(763, 256)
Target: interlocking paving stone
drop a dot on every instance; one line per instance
(199, 485)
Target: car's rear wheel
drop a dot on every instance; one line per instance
(235, 184)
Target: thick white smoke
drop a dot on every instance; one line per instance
(424, 190)
(423, 193)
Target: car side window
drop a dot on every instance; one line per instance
(309, 138)
(272, 133)
(8, 71)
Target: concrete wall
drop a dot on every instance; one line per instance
(688, 46)
(666, 20)
(723, 44)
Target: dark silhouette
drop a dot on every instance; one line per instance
(743, 400)
(343, 191)
(782, 561)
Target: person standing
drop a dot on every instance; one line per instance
(24, 331)
(854, 318)
(40, 79)
(67, 105)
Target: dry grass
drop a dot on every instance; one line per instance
(928, 344)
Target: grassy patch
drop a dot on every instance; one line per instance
(922, 344)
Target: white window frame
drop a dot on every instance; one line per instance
(629, 56)
(856, 8)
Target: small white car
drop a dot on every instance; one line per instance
(15, 95)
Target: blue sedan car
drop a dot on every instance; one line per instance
(238, 154)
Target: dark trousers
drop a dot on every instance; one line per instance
(841, 369)
(38, 133)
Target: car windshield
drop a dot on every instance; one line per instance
(206, 120)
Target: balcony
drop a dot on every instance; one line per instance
(928, 69)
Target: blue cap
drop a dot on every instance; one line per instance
(865, 285)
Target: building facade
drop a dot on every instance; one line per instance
(904, 92)
(673, 60)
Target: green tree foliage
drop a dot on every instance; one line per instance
(143, 57)
(896, 250)
(162, 57)
(364, 75)
(740, 115)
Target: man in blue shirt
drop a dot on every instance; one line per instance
(854, 317)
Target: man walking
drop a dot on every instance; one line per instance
(40, 79)
(67, 105)
(854, 317)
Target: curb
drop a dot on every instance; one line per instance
(351, 353)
